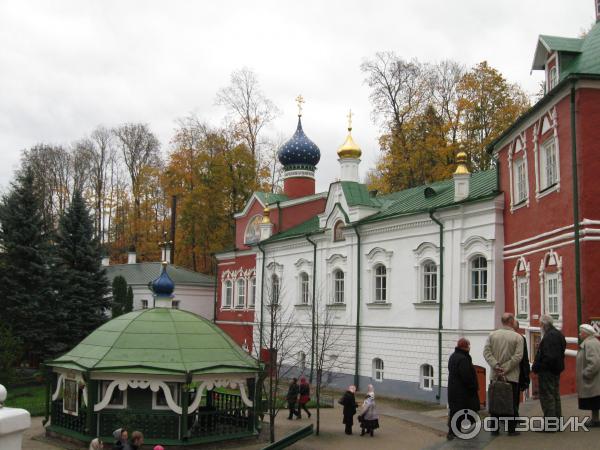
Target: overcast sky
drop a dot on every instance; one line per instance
(67, 66)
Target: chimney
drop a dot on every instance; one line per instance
(461, 177)
(266, 227)
(105, 261)
(131, 255)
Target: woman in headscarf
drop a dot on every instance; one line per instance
(462, 383)
(369, 419)
(588, 373)
(348, 401)
(304, 397)
(96, 444)
(121, 439)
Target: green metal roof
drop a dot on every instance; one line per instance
(146, 272)
(268, 198)
(561, 44)
(483, 185)
(358, 194)
(588, 61)
(159, 341)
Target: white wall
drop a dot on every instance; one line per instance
(196, 299)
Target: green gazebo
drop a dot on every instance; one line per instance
(171, 374)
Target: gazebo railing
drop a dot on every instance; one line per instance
(224, 414)
(67, 421)
(154, 424)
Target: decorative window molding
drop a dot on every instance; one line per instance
(477, 247)
(521, 289)
(159, 400)
(517, 161)
(303, 288)
(227, 295)
(430, 283)
(378, 280)
(377, 370)
(275, 289)
(339, 287)
(550, 278)
(336, 264)
(426, 381)
(546, 155)
(252, 292)
(427, 254)
(118, 398)
(303, 264)
(479, 285)
(240, 293)
(252, 232)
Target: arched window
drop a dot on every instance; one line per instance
(338, 231)
(252, 293)
(427, 377)
(521, 288)
(241, 293)
(479, 283)
(304, 288)
(252, 234)
(228, 294)
(430, 281)
(551, 277)
(378, 369)
(380, 283)
(274, 289)
(338, 286)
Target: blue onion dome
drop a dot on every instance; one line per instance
(299, 152)
(163, 286)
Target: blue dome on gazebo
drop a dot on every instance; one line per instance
(163, 286)
(299, 151)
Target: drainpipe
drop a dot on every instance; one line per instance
(262, 289)
(216, 272)
(357, 346)
(314, 281)
(441, 308)
(279, 216)
(575, 204)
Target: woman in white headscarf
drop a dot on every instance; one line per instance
(96, 444)
(588, 373)
(369, 419)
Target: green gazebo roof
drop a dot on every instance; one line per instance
(158, 341)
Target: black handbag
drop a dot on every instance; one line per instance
(500, 396)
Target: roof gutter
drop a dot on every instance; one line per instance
(357, 330)
(575, 200)
(314, 281)
(441, 308)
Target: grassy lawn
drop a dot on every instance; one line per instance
(30, 398)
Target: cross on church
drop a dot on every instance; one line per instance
(299, 100)
(349, 116)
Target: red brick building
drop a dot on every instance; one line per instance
(549, 161)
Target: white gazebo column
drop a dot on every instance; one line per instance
(13, 422)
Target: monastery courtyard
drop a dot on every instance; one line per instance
(400, 429)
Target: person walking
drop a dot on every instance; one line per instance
(588, 373)
(462, 384)
(348, 401)
(503, 351)
(369, 419)
(548, 364)
(304, 397)
(292, 398)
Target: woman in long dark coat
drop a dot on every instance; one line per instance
(348, 401)
(462, 383)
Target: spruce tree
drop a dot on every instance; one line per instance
(27, 301)
(81, 280)
(129, 300)
(119, 294)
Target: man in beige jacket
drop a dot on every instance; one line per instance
(503, 351)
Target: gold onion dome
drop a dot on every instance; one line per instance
(349, 149)
(266, 218)
(461, 161)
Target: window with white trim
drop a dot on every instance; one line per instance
(520, 181)
(252, 293)
(159, 400)
(378, 369)
(430, 283)
(426, 377)
(338, 286)
(552, 77)
(522, 297)
(552, 294)
(274, 289)
(241, 293)
(118, 399)
(548, 164)
(227, 293)
(479, 278)
(304, 288)
(380, 283)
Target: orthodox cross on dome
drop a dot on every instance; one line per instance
(349, 116)
(299, 100)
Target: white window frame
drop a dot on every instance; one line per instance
(522, 290)
(381, 283)
(102, 392)
(480, 271)
(517, 155)
(427, 378)
(425, 252)
(227, 296)
(304, 280)
(275, 288)
(427, 288)
(552, 77)
(252, 292)
(254, 221)
(174, 393)
(71, 382)
(378, 257)
(548, 151)
(339, 287)
(378, 369)
(551, 259)
(522, 298)
(520, 187)
(240, 293)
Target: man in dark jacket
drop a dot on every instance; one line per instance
(292, 398)
(462, 383)
(348, 401)
(524, 368)
(549, 363)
